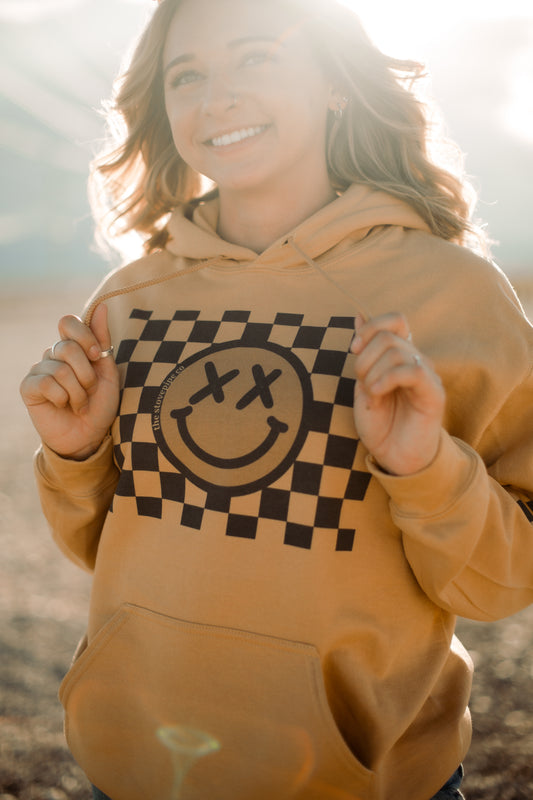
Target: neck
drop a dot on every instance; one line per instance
(256, 219)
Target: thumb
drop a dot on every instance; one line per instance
(99, 326)
(100, 329)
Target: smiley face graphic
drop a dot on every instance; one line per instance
(233, 416)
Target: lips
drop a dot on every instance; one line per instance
(233, 137)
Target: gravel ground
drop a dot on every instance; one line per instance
(43, 604)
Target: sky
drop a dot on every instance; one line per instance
(413, 28)
(394, 24)
(409, 28)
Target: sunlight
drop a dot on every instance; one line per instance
(517, 114)
(415, 28)
(67, 117)
(30, 10)
(410, 28)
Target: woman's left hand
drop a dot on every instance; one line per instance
(399, 399)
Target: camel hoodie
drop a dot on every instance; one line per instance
(256, 575)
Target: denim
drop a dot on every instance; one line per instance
(450, 790)
(98, 795)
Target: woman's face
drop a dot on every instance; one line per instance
(246, 99)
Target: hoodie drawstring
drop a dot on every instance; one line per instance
(361, 312)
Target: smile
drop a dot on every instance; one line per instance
(276, 427)
(236, 136)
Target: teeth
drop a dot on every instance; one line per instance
(236, 136)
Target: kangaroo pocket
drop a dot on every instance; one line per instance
(262, 698)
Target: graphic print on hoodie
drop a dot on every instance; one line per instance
(252, 421)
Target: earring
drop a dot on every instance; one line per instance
(341, 106)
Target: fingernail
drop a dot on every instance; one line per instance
(94, 353)
(356, 344)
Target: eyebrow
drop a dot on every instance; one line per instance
(232, 45)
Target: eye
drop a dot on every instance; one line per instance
(184, 78)
(257, 57)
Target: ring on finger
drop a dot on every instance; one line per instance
(107, 353)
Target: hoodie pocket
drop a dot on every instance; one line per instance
(261, 697)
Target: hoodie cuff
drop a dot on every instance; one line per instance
(81, 478)
(439, 486)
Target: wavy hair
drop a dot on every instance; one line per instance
(387, 137)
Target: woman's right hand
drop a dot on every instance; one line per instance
(72, 394)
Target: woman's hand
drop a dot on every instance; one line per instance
(72, 394)
(399, 399)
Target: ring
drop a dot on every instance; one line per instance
(417, 359)
(53, 348)
(108, 352)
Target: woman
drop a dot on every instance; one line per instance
(278, 560)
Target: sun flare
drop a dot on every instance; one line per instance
(416, 29)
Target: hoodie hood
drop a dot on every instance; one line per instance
(352, 216)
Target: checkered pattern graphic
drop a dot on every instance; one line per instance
(527, 508)
(317, 491)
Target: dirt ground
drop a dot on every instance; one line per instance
(43, 604)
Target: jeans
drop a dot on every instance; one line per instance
(98, 795)
(450, 790)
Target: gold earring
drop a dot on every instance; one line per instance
(341, 106)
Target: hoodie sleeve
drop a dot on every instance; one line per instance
(75, 497)
(467, 525)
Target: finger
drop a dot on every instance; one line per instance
(66, 378)
(424, 396)
(72, 328)
(56, 382)
(424, 388)
(383, 345)
(393, 322)
(99, 327)
(390, 359)
(70, 352)
(39, 389)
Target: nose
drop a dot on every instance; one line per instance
(219, 96)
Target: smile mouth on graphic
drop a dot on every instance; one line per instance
(276, 428)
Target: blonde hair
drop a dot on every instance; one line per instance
(384, 138)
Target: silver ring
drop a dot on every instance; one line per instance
(53, 348)
(417, 359)
(108, 352)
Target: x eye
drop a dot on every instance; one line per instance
(215, 384)
(261, 389)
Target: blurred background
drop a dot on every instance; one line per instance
(57, 62)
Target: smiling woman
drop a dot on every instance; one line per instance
(247, 104)
(140, 194)
(312, 449)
